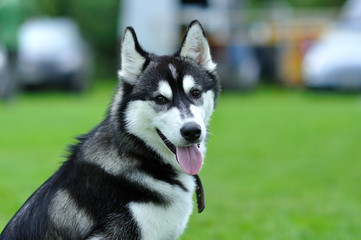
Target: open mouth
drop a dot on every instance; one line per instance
(189, 157)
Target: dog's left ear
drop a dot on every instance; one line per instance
(196, 47)
(133, 57)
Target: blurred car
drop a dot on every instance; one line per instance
(335, 61)
(52, 51)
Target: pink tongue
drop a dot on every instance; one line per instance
(190, 159)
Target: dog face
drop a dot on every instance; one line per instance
(170, 99)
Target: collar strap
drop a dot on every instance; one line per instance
(199, 193)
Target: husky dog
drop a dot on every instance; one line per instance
(131, 177)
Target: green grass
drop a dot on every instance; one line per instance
(281, 164)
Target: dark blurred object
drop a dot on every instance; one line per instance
(51, 51)
(238, 68)
(266, 57)
(202, 3)
(7, 86)
(4, 73)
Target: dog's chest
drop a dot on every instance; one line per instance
(165, 222)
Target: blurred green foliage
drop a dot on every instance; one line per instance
(12, 14)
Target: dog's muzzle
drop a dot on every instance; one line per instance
(189, 157)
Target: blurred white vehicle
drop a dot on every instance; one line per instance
(335, 61)
(52, 51)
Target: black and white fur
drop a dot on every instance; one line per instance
(122, 180)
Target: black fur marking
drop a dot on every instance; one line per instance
(170, 145)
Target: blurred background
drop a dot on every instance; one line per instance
(284, 156)
(296, 43)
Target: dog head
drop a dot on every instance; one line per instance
(167, 101)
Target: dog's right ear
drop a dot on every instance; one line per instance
(132, 57)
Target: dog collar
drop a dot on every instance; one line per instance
(199, 193)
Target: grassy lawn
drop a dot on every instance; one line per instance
(281, 164)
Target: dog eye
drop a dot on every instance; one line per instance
(196, 93)
(160, 99)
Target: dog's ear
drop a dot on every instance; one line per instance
(132, 57)
(196, 47)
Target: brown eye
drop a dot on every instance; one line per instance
(196, 93)
(160, 99)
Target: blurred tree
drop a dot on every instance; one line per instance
(10, 19)
(315, 3)
(53, 8)
(12, 14)
(99, 22)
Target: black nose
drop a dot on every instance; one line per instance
(191, 131)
